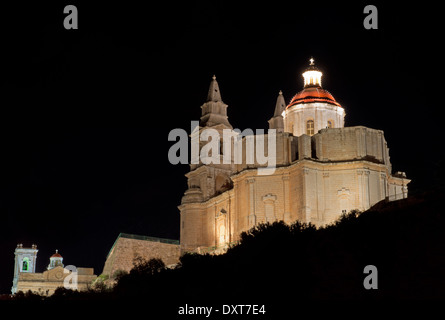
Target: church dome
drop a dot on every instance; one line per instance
(55, 260)
(56, 255)
(312, 108)
(313, 94)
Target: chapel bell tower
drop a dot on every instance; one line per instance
(25, 261)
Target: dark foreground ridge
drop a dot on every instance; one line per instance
(279, 264)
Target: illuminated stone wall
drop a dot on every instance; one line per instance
(317, 179)
(128, 247)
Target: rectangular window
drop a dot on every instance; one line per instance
(310, 127)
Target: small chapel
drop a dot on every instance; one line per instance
(46, 283)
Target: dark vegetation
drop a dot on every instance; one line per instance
(279, 263)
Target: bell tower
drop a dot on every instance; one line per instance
(25, 261)
(209, 174)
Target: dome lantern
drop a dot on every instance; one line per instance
(312, 76)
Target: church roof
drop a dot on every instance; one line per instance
(56, 255)
(313, 94)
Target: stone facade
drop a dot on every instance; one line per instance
(26, 278)
(322, 171)
(47, 282)
(128, 247)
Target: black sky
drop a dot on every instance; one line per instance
(85, 114)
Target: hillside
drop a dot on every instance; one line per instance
(405, 240)
(280, 264)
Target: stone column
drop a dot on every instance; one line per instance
(306, 210)
(368, 196)
(286, 199)
(326, 204)
(383, 191)
(251, 219)
(363, 187)
(360, 189)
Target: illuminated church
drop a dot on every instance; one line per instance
(323, 170)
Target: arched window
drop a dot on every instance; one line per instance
(25, 264)
(310, 127)
(330, 124)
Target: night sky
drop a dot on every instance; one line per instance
(85, 114)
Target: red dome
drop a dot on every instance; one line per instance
(56, 255)
(313, 94)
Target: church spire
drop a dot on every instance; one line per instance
(214, 110)
(214, 93)
(277, 122)
(280, 105)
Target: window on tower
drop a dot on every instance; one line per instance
(25, 264)
(310, 127)
(330, 124)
